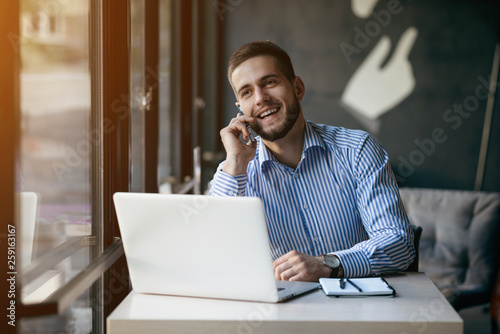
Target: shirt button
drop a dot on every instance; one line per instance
(306, 206)
(231, 193)
(296, 175)
(316, 238)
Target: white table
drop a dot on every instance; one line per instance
(418, 307)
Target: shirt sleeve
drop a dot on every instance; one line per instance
(224, 184)
(390, 244)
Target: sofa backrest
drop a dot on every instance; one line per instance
(460, 239)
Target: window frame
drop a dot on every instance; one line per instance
(9, 140)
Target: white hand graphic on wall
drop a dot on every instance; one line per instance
(363, 8)
(373, 90)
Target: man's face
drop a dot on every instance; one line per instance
(264, 93)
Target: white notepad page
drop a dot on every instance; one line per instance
(370, 286)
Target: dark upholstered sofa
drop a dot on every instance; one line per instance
(460, 244)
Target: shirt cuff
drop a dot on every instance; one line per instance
(228, 185)
(354, 263)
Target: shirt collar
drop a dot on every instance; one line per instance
(311, 139)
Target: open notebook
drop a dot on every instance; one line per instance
(357, 287)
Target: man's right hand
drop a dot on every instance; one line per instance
(239, 154)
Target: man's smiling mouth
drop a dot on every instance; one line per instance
(268, 112)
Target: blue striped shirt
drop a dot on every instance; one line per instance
(342, 198)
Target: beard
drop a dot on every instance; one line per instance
(290, 119)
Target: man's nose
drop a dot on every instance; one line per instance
(261, 96)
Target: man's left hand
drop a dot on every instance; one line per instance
(297, 266)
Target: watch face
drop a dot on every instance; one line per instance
(331, 261)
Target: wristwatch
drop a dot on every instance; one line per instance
(333, 262)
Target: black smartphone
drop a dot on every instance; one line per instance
(252, 138)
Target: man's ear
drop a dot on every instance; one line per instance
(299, 87)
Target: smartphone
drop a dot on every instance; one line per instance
(252, 138)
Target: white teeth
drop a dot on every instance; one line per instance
(269, 112)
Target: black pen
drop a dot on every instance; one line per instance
(342, 283)
(354, 285)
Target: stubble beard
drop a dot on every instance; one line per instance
(288, 123)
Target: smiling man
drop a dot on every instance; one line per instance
(332, 203)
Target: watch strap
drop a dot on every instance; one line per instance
(334, 272)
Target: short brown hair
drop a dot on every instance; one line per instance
(261, 48)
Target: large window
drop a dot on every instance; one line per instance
(98, 97)
(75, 120)
(56, 144)
(56, 138)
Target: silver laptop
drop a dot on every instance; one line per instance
(200, 246)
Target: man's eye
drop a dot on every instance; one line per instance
(270, 82)
(245, 93)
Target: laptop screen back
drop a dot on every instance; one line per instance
(193, 245)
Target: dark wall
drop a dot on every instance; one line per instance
(432, 135)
